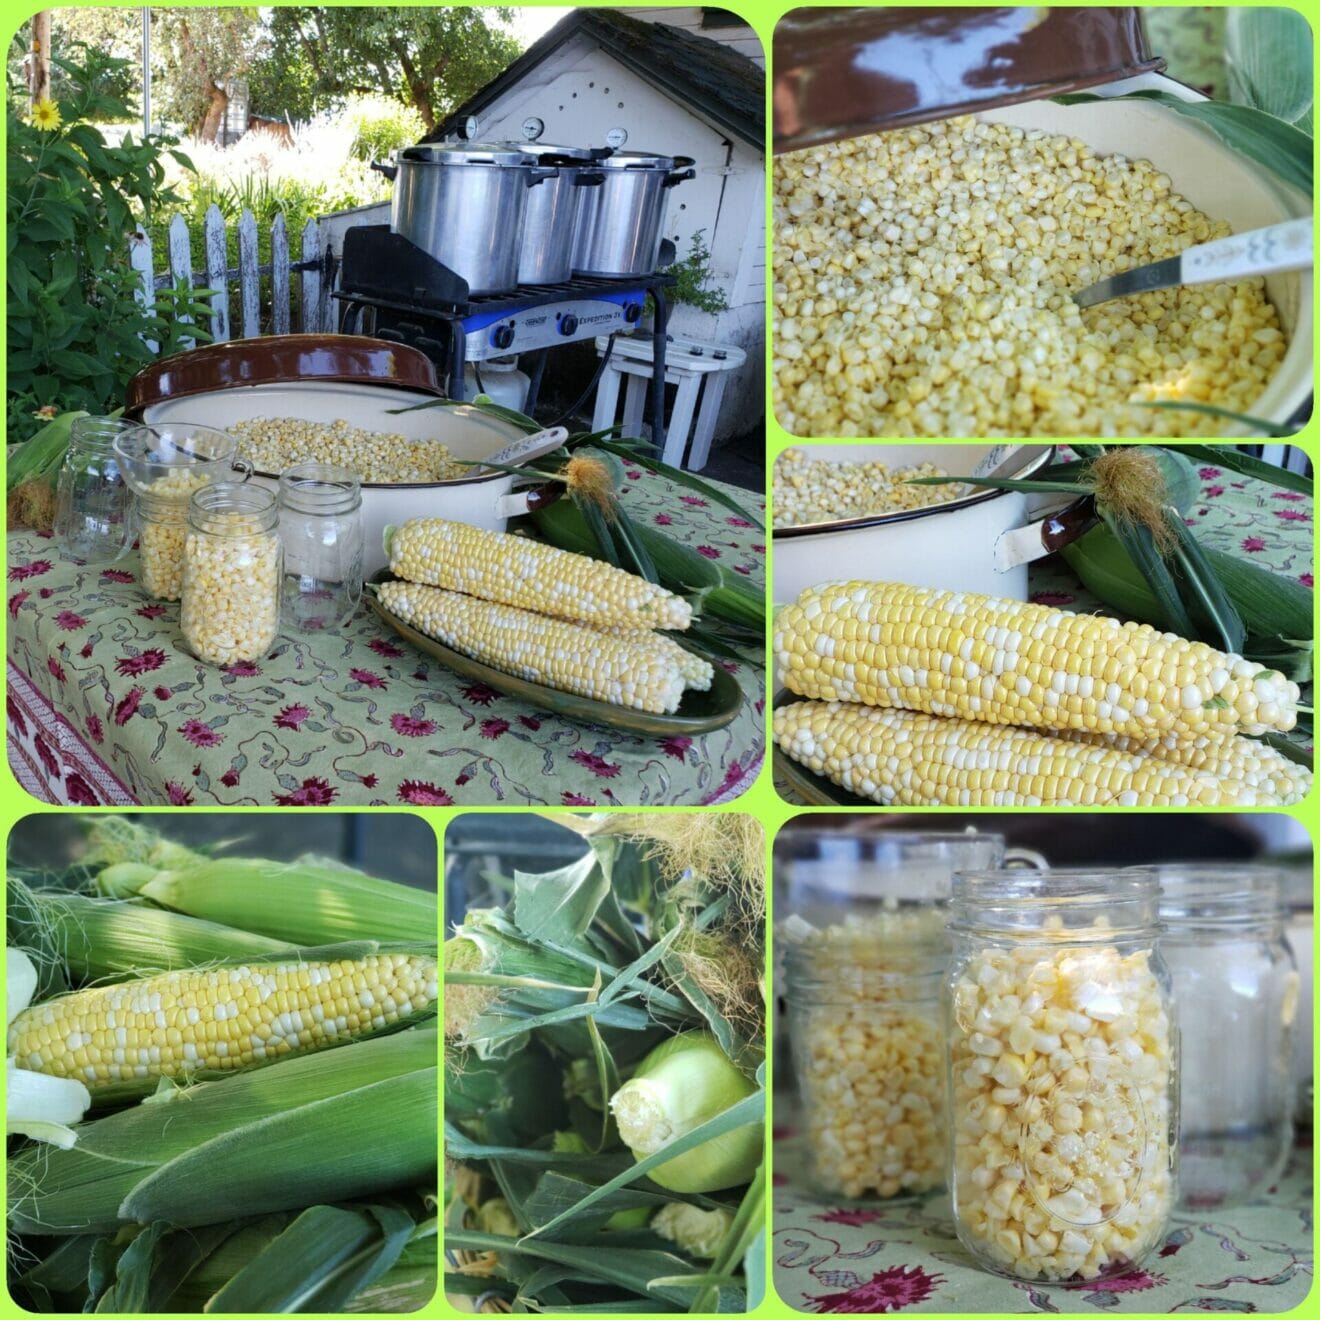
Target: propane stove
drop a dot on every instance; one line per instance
(390, 289)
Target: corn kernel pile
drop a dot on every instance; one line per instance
(231, 590)
(162, 523)
(869, 1052)
(923, 282)
(810, 490)
(1061, 1106)
(275, 444)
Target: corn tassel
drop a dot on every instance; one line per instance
(323, 1127)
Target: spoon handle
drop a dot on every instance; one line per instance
(1289, 246)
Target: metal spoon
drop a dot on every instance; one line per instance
(1289, 246)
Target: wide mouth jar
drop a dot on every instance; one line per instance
(1210, 901)
(1071, 906)
(320, 489)
(228, 508)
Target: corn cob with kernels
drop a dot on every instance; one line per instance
(633, 668)
(1001, 661)
(904, 758)
(218, 1019)
(512, 570)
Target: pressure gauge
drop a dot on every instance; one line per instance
(616, 137)
(470, 127)
(533, 128)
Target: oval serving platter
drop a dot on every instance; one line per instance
(814, 790)
(699, 712)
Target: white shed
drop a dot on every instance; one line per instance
(677, 92)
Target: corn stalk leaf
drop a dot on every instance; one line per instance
(1276, 430)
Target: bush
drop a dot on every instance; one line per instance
(381, 126)
(76, 329)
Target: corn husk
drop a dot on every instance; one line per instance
(302, 902)
(347, 1123)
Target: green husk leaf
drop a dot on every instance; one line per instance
(1232, 458)
(1140, 545)
(559, 906)
(682, 478)
(1268, 55)
(1259, 424)
(748, 1227)
(1208, 591)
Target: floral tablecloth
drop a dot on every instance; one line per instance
(106, 706)
(868, 1258)
(1237, 515)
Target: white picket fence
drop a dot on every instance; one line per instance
(313, 269)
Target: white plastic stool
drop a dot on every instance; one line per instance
(689, 364)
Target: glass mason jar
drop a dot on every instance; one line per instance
(93, 503)
(1063, 1072)
(864, 954)
(1237, 990)
(321, 529)
(231, 572)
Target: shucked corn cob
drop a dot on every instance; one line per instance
(513, 570)
(218, 1019)
(1006, 662)
(904, 758)
(633, 668)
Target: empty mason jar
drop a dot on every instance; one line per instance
(1237, 990)
(93, 504)
(864, 953)
(1063, 1072)
(321, 528)
(231, 573)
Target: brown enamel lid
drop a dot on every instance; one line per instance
(841, 72)
(280, 360)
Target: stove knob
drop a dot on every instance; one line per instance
(632, 313)
(502, 336)
(568, 324)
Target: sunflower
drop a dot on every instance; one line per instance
(46, 115)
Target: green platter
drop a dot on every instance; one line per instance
(699, 712)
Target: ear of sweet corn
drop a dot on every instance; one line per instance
(905, 758)
(304, 902)
(1007, 662)
(633, 668)
(124, 1037)
(316, 1128)
(513, 570)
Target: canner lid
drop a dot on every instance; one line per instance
(842, 72)
(542, 149)
(637, 160)
(468, 153)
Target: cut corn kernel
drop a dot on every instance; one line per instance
(275, 444)
(218, 1019)
(810, 490)
(635, 667)
(903, 758)
(923, 282)
(513, 570)
(1007, 662)
(230, 606)
(162, 526)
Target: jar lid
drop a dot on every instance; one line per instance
(842, 72)
(504, 154)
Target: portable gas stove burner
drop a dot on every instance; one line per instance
(391, 289)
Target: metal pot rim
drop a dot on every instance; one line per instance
(501, 155)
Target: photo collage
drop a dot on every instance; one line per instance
(717, 604)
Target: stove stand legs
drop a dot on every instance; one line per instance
(658, 372)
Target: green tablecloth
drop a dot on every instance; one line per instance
(1238, 515)
(869, 1258)
(106, 705)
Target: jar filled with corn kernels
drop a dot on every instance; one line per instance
(231, 573)
(863, 958)
(1063, 1072)
(162, 517)
(1237, 989)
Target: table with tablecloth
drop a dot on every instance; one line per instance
(871, 1257)
(106, 706)
(1272, 528)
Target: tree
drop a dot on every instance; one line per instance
(203, 51)
(430, 58)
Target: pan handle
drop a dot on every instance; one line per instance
(389, 171)
(679, 176)
(588, 178)
(540, 173)
(528, 500)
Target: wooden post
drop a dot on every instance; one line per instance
(39, 57)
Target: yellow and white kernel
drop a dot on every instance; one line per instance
(1061, 1106)
(274, 444)
(231, 590)
(923, 282)
(162, 519)
(810, 490)
(220, 1019)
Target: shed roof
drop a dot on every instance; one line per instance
(719, 83)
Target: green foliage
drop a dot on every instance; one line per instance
(381, 126)
(1270, 63)
(692, 273)
(76, 330)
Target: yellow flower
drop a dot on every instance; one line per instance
(46, 115)
(47, 411)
